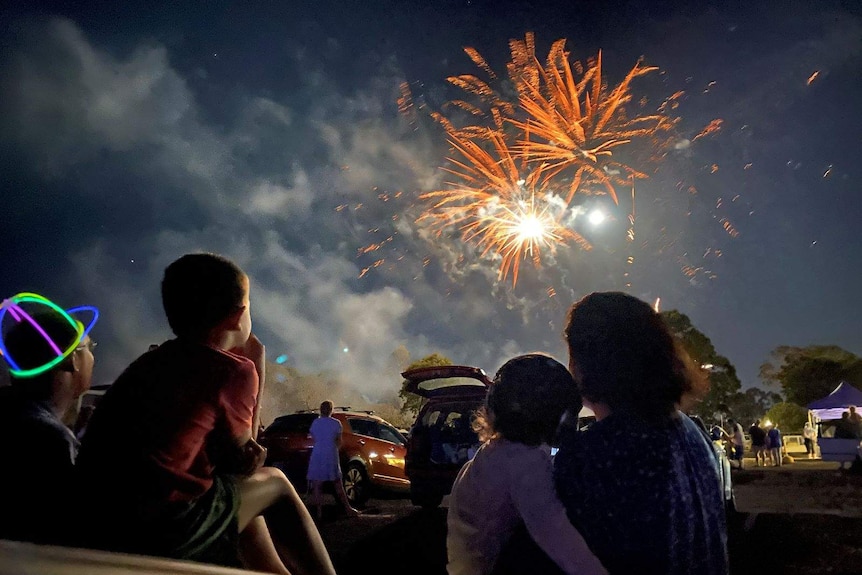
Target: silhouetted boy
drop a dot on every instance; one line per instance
(169, 455)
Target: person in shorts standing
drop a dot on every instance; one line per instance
(776, 445)
(758, 443)
(809, 435)
(324, 465)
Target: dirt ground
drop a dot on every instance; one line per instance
(801, 519)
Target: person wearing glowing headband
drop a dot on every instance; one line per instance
(49, 357)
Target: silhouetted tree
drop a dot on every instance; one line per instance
(788, 416)
(806, 374)
(723, 381)
(752, 404)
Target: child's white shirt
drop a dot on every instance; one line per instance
(504, 483)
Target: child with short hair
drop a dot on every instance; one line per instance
(510, 479)
(50, 357)
(169, 456)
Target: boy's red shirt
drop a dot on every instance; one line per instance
(159, 423)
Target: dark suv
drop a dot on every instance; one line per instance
(442, 439)
(372, 451)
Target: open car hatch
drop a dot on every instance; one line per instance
(447, 380)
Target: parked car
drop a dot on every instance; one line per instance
(372, 451)
(442, 439)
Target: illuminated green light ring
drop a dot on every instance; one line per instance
(11, 305)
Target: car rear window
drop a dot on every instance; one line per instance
(297, 423)
(390, 434)
(446, 431)
(362, 426)
(442, 382)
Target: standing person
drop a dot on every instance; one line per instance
(775, 445)
(808, 436)
(844, 427)
(855, 422)
(38, 451)
(510, 479)
(324, 465)
(737, 438)
(169, 460)
(758, 443)
(642, 483)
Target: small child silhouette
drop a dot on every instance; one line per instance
(510, 479)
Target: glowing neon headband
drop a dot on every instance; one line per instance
(16, 312)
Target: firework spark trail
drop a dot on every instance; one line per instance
(517, 199)
(577, 124)
(711, 128)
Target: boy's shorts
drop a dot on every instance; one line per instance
(206, 529)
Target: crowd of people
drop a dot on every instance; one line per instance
(169, 464)
(849, 426)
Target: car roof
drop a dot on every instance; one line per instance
(341, 412)
(447, 381)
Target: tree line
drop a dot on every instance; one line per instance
(802, 374)
(794, 377)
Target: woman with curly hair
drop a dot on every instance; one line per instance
(642, 483)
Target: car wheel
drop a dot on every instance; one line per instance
(426, 500)
(356, 484)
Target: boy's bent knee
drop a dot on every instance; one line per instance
(274, 478)
(263, 489)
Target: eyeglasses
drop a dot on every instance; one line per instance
(90, 345)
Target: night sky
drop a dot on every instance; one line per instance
(270, 132)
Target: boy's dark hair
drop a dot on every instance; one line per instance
(528, 398)
(199, 291)
(626, 355)
(30, 350)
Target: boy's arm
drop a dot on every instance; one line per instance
(242, 455)
(237, 455)
(532, 491)
(255, 351)
(251, 457)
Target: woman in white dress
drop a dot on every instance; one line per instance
(324, 463)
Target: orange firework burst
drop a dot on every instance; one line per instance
(566, 125)
(497, 206)
(575, 122)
